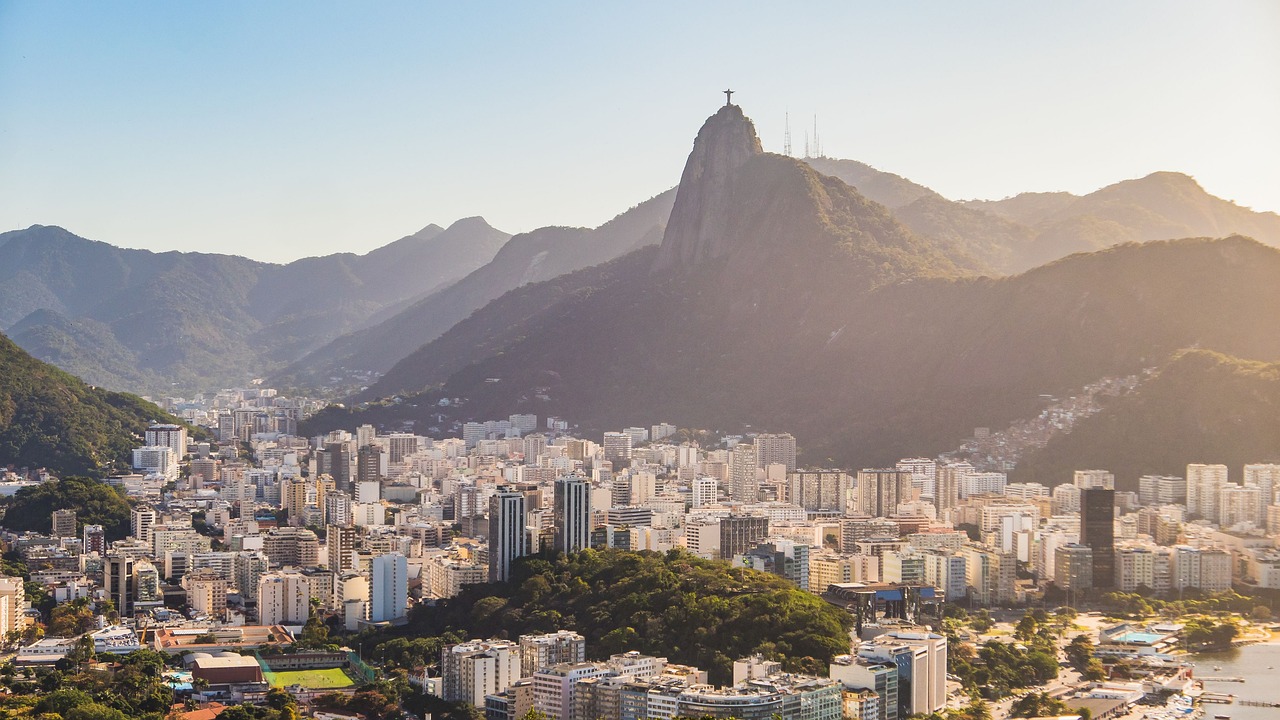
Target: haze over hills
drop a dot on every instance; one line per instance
(978, 237)
(530, 257)
(781, 298)
(53, 420)
(342, 322)
(142, 320)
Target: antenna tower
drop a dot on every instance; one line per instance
(786, 137)
(817, 144)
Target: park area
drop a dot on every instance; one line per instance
(326, 679)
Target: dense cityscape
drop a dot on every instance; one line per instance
(251, 558)
(476, 361)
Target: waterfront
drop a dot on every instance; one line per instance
(1256, 664)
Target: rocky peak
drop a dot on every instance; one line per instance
(698, 228)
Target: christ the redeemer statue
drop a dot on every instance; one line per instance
(728, 97)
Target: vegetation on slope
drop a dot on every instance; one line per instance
(53, 420)
(1202, 407)
(691, 611)
(95, 503)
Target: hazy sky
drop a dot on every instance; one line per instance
(283, 129)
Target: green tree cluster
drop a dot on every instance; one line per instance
(131, 688)
(1206, 634)
(51, 419)
(95, 503)
(692, 611)
(994, 669)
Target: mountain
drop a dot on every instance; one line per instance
(527, 258)
(1160, 206)
(781, 298)
(892, 191)
(1201, 407)
(142, 320)
(53, 420)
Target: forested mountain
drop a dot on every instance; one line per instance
(1202, 407)
(142, 320)
(691, 611)
(52, 420)
(781, 298)
(530, 257)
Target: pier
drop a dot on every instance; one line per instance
(1260, 703)
(1207, 678)
(1217, 698)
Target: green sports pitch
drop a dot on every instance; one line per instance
(330, 679)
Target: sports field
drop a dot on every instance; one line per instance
(312, 679)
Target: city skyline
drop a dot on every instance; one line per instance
(279, 134)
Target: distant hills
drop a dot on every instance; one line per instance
(51, 419)
(531, 257)
(151, 321)
(782, 298)
(367, 326)
(1202, 407)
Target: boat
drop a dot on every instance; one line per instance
(1217, 668)
(1221, 717)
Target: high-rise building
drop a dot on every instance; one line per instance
(388, 587)
(924, 474)
(294, 496)
(617, 446)
(156, 460)
(401, 446)
(739, 533)
(13, 606)
(469, 671)
(141, 521)
(776, 450)
(338, 464)
(284, 598)
(118, 582)
(706, 491)
(338, 509)
(572, 514)
(371, 464)
(542, 651)
(1240, 504)
(1266, 477)
(881, 490)
(743, 483)
(95, 539)
(1074, 568)
(1085, 479)
(172, 436)
(507, 538)
(950, 478)
(1162, 490)
(1097, 532)
(819, 489)
(207, 592)
(64, 523)
(340, 544)
(1203, 485)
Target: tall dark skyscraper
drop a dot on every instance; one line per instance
(507, 540)
(1097, 531)
(338, 464)
(572, 514)
(368, 464)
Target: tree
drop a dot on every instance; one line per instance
(1034, 705)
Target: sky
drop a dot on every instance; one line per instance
(286, 129)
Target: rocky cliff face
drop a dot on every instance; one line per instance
(698, 229)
